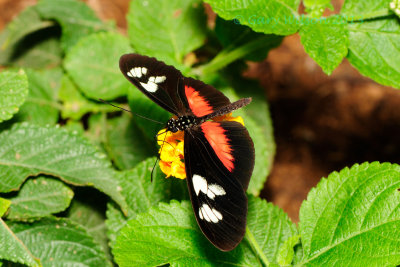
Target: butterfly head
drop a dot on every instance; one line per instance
(172, 125)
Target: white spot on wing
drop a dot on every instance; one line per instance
(144, 70)
(133, 71)
(217, 213)
(129, 74)
(138, 72)
(216, 189)
(150, 86)
(210, 194)
(152, 79)
(210, 215)
(212, 190)
(160, 79)
(199, 184)
(204, 214)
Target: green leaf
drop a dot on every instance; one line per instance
(40, 197)
(325, 40)
(316, 8)
(286, 251)
(75, 127)
(13, 91)
(276, 16)
(354, 214)
(38, 50)
(126, 143)
(93, 65)
(353, 9)
(374, 49)
(233, 35)
(75, 105)
(13, 249)
(60, 242)
(115, 221)
(75, 17)
(4, 205)
(169, 234)
(174, 231)
(96, 132)
(269, 226)
(298, 254)
(41, 105)
(87, 210)
(167, 30)
(30, 150)
(27, 22)
(141, 193)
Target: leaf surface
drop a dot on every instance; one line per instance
(29, 150)
(75, 17)
(169, 233)
(167, 30)
(13, 249)
(40, 197)
(374, 47)
(60, 242)
(279, 17)
(93, 65)
(355, 214)
(13, 92)
(325, 40)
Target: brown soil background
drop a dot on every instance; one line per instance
(321, 123)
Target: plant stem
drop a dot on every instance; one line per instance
(228, 56)
(256, 247)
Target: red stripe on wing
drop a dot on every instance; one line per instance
(219, 142)
(198, 104)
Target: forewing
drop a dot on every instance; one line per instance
(217, 194)
(155, 79)
(166, 86)
(200, 98)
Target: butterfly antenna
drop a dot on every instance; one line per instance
(143, 117)
(160, 133)
(154, 166)
(159, 155)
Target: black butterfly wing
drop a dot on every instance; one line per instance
(219, 159)
(200, 98)
(155, 79)
(166, 86)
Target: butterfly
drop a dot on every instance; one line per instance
(218, 155)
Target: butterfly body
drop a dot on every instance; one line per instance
(185, 122)
(218, 155)
(182, 123)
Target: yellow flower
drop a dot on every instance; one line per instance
(171, 149)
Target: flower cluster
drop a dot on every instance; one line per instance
(395, 7)
(171, 149)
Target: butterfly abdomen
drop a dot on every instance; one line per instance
(227, 109)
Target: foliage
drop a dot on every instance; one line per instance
(366, 32)
(75, 173)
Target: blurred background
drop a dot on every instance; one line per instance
(321, 123)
